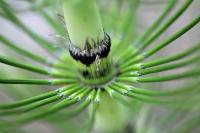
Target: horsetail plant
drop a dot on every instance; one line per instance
(103, 71)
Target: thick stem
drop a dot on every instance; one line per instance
(90, 46)
(83, 21)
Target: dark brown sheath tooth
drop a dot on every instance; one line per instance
(88, 55)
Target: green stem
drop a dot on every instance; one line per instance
(83, 21)
(85, 31)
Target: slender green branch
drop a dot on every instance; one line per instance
(145, 70)
(187, 74)
(50, 72)
(30, 106)
(171, 58)
(132, 61)
(31, 55)
(36, 101)
(141, 98)
(61, 105)
(117, 96)
(95, 106)
(122, 56)
(169, 22)
(13, 18)
(67, 92)
(158, 22)
(37, 81)
(126, 28)
(79, 109)
(168, 67)
(138, 58)
(28, 100)
(173, 37)
(45, 101)
(148, 92)
(78, 92)
(22, 51)
(159, 31)
(146, 98)
(73, 113)
(23, 66)
(26, 81)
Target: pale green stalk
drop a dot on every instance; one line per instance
(83, 21)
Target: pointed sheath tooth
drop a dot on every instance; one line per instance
(144, 54)
(58, 90)
(97, 99)
(89, 98)
(61, 95)
(125, 92)
(138, 73)
(69, 97)
(78, 98)
(111, 92)
(141, 65)
(129, 88)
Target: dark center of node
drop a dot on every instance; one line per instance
(98, 74)
(88, 55)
